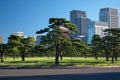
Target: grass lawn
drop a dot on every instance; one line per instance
(48, 62)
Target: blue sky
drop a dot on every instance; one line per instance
(29, 16)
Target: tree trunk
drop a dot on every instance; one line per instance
(96, 56)
(107, 53)
(2, 56)
(116, 56)
(61, 56)
(13, 56)
(57, 54)
(85, 56)
(107, 57)
(113, 56)
(23, 56)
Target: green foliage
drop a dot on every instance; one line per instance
(81, 48)
(112, 42)
(96, 45)
(19, 45)
(3, 50)
(13, 44)
(57, 37)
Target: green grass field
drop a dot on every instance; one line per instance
(48, 62)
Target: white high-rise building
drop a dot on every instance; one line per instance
(109, 15)
(119, 20)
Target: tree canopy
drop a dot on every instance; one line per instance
(57, 35)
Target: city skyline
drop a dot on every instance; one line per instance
(29, 16)
(108, 18)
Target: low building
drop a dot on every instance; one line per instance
(38, 39)
(1, 39)
(19, 33)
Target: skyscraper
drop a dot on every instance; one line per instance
(79, 18)
(96, 27)
(109, 15)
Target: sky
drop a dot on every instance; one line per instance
(29, 16)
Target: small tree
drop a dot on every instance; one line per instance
(20, 44)
(26, 46)
(13, 45)
(3, 49)
(96, 45)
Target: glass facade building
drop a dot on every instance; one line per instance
(91, 32)
(96, 27)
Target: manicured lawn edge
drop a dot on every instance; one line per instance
(48, 62)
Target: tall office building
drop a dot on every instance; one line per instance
(109, 15)
(79, 18)
(1, 39)
(96, 27)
